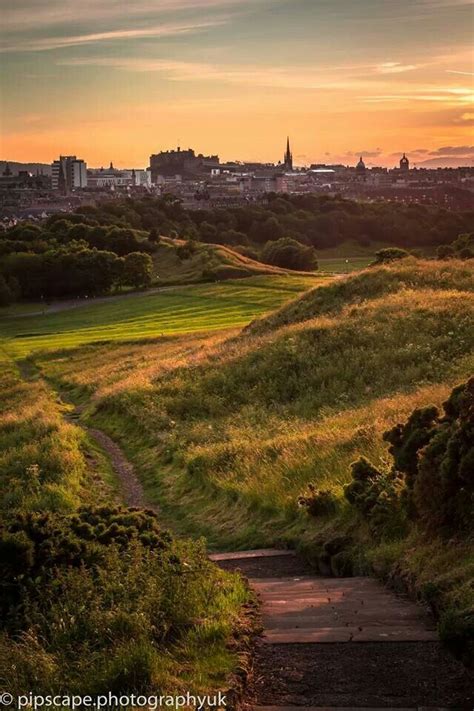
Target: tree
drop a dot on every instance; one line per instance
(154, 236)
(390, 254)
(9, 290)
(137, 269)
(289, 254)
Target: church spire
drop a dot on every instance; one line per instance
(288, 159)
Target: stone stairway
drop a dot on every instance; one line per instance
(343, 643)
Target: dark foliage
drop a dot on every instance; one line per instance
(289, 254)
(461, 248)
(318, 502)
(390, 254)
(319, 221)
(377, 495)
(35, 546)
(432, 478)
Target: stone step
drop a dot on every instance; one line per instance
(244, 555)
(325, 635)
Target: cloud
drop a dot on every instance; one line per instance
(22, 15)
(453, 151)
(456, 71)
(443, 94)
(164, 30)
(447, 162)
(394, 68)
(364, 154)
(288, 77)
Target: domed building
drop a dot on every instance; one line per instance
(404, 164)
(360, 168)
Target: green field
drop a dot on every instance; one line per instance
(207, 307)
(343, 265)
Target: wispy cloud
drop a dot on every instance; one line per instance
(394, 68)
(455, 71)
(441, 94)
(22, 15)
(289, 77)
(164, 30)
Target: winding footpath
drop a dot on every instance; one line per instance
(343, 643)
(328, 643)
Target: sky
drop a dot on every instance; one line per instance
(110, 80)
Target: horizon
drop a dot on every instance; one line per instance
(427, 165)
(106, 81)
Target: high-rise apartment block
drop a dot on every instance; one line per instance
(69, 173)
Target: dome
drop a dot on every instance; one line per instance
(360, 165)
(404, 162)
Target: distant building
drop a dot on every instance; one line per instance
(360, 168)
(69, 173)
(115, 178)
(288, 157)
(404, 164)
(178, 162)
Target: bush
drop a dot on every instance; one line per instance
(378, 497)
(289, 254)
(96, 600)
(390, 254)
(137, 269)
(318, 502)
(443, 489)
(433, 468)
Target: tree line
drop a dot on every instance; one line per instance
(316, 221)
(69, 257)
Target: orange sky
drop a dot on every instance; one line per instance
(109, 80)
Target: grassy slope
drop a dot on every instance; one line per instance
(208, 307)
(225, 263)
(43, 464)
(226, 434)
(209, 261)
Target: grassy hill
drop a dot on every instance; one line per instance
(208, 262)
(227, 432)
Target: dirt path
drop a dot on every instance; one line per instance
(131, 489)
(343, 643)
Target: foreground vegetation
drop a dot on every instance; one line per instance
(229, 433)
(105, 600)
(73, 616)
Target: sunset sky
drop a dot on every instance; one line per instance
(115, 80)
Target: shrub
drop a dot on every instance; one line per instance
(390, 254)
(318, 502)
(378, 497)
(433, 468)
(443, 489)
(289, 254)
(106, 594)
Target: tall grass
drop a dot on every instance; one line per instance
(42, 463)
(226, 433)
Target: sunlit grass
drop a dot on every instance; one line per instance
(210, 307)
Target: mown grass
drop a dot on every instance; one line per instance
(191, 309)
(227, 432)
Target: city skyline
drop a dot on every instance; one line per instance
(111, 81)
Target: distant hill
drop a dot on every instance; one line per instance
(209, 262)
(15, 167)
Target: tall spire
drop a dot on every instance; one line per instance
(288, 159)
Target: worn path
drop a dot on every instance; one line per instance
(131, 489)
(343, 643)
